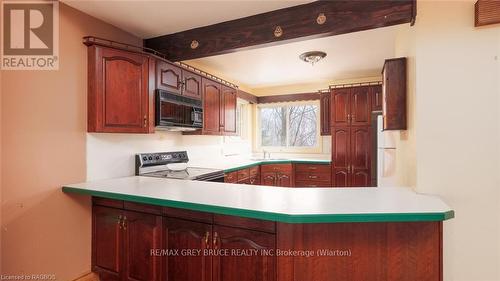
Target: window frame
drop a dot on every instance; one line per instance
(287, 148)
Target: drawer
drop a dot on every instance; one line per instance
(107, 202)
(313, 176)
(145, 208)
(306, 168)
(243, 174)
(231, 177)
(284, 168)
(313, 184)
(248, 223)
(188, 214)
(255, 170)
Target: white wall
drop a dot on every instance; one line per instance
(112, 155)
(455, 109)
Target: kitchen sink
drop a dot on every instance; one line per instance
(268, 159)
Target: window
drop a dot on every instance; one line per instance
(291, 126)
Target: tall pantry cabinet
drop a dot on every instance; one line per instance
(350, 117)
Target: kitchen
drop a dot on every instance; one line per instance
(356, 177)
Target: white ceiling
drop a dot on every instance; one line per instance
(352, 55)
(152, 18)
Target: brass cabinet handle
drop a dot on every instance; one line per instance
(145, 121)
(313, 177)
(119, 222)
(353, 117)
(124, 222)
(348, 117)
(313, 168)
(207, 236)
(214, 241)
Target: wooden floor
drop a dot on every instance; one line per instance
(88, 277)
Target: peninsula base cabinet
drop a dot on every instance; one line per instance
(126, 235)
(130, 245)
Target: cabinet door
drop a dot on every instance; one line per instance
(118, 91)
(268, 178)
(340, 156)
(188, 235)
(211, 107)
(192, 84)
(340, 107)
(259, 264)
(284, 179)
(360, 156)
(143, 233)
(376, 93)
(228, 110)
(325, 113)
(360, 106)
(107, 243)
(394, 94)
(168, 77)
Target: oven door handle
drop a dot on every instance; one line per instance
(210, 178)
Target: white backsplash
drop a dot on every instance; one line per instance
(112, 155)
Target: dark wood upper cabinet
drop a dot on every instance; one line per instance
(192, 84)
(376, 93)
(119, 93)
(259, 266)
(350, 106)
(211, 107)
(143, 232)
(228, 110)
(340, 107)
(394, 94)
(168, 77)
(324, 101)
(181, 235)
(360, 103)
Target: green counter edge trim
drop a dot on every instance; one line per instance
(263, 162)
(338, 218)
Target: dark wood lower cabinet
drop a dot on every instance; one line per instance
(143, 232)
(107, 239)
(121, 245)
(256, 250)
(351, 156)
(182, 235)
(249, 256)
(137, 246)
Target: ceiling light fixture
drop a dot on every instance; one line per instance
(312, 57)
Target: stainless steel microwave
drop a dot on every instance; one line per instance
(177, 113)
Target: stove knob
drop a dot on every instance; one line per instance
(157, 157)
(150, 158)
(144, 158)
(175, 155)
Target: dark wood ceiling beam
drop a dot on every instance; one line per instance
(296, 23)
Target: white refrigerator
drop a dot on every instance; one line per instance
(386, 155)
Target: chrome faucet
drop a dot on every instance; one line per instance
(268, 154)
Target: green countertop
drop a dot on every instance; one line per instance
(290, 205)
(276, 161)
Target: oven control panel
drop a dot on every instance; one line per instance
(160, 158)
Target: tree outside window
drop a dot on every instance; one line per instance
(292, 125)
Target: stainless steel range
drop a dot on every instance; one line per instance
(173, 165)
